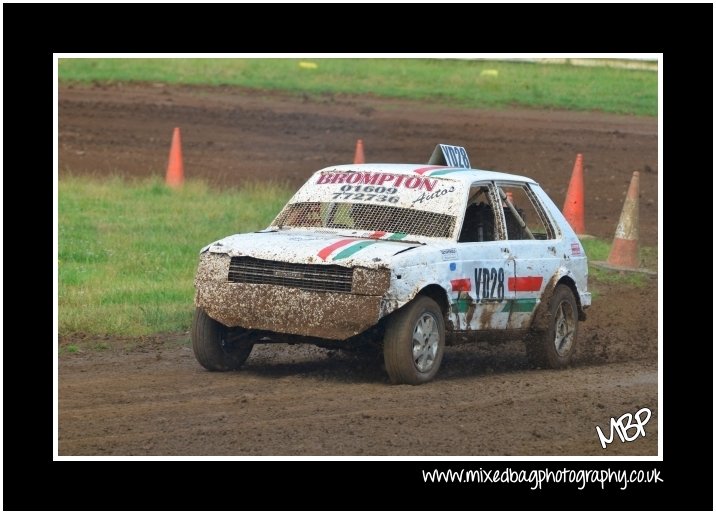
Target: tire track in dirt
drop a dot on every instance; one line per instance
(151, 397)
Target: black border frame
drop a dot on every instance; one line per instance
(32, 481)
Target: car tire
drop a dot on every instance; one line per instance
(215, 345)
(414, 342)
(555, 346)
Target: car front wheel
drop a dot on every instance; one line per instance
(217, 347)
(414, 342)
(555, 346)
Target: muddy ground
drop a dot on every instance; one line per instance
(149, 396)
(231, 135)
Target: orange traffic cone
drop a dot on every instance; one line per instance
(573, 208)
(175, 170)
(359, 157)
(625, 248)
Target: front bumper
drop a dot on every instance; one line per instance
(282, 309)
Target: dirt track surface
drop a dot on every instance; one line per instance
(149, 396)
(232, 135)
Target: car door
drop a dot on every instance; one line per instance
(533, 242)
(480, 295)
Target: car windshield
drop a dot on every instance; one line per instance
(368, 217)
(406, 205)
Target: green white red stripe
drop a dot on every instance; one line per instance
(356, 245)
(325, 252)
(420, 171)
(444, 171)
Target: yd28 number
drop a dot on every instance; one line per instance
(489, 284)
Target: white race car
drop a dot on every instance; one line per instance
(409, 257)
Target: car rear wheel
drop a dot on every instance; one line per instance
(414, 342)
(555, 346)
(217, 347)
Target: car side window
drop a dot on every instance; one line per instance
(479, 222)
(524, 216)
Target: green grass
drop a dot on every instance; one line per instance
(598, 250)
(471, 83)
(128, 250)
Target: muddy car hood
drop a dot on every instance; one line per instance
(312, 248)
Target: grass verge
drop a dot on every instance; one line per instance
(471, 83)
(598, 250)
(128, 250)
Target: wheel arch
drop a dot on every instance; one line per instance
(569, 282)
(434, 291)
(540, 318)
(437, 293)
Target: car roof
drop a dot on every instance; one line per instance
(465, 175)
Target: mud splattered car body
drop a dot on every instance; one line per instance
(359, 244)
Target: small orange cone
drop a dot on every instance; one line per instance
(573, 208)
(175, 170)
(625, 248)
(359, 157)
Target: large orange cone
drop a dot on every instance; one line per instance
(175, 170)
(573, 208)
(359, 157)
(625, 248)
